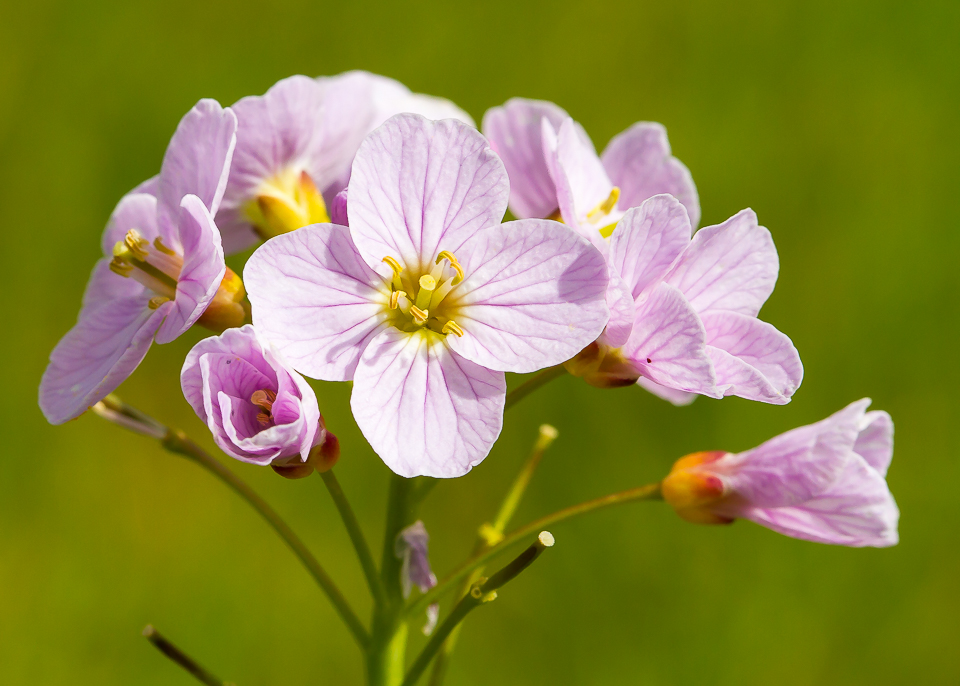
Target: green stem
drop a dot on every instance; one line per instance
(181, 658)
(648, 492)
(532, 384)
(386, 655)
(480, 593)
(356, 535)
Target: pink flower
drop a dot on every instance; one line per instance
(259, 410)
(554, 168)
(164, 269)
(295, 145)
(426, 300)
(411, 547)
(825, 482)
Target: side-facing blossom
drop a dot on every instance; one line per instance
(825, 482)
(257, 407)
(426, 299)
(689, 323)
(555, 171)
(163, 269)
(411, 548)
(295, 145)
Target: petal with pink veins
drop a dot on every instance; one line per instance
(875, 442)
(533, 296)
(667, 344)
(426, 410)
(203, 268)
(515, 133)
(672, 396)
(419, 187)
(648, 239)
(730, 266)
(639, 162)
(316, 300)
(752, 359)
(134, 211)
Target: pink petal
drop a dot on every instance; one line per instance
(419, 187)
(622, 310)
(104, 285)
(202, 272)
(315, 299)
(97, 355)
(751, 358)
(799, 465)
(581, 181)
(731, 266)
(875, 442)
(533, 296)
(857, 510)
(648, 239)
(667, 343)
(197, 161)
(639, 162)
(150, 186)
(674, 397)
(134, 211)
(425, 410)
(514, 132)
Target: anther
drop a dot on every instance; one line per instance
(264, 418)
(118, 266)
(264, 399)
(394, 265)
(606, 205)
(449, 257)
(452, 327)
(395, 299)
(156, 301)
(419, 316)
(137, 244)
(158, 244)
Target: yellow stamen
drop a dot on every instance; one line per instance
(157, 301)
(449, 257)
(394, 265)
(395, 299)
(136, 243)
(118, 266)
(158, 244)
(606, 205)
(452, 327)
(419, 316)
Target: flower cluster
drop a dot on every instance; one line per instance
(384, 260)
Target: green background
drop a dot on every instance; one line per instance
(835, 121)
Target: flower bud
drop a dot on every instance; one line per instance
(228, 309)
(691, 488)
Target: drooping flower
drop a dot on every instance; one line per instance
(295, 145)
(690, 322)
(257, 407)
(163, 269)
(555, 171)
(825, 482)
(427, 299)
(411, 548)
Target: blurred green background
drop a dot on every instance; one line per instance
(835, 121)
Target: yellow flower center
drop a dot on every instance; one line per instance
(285, 202)
(423, 302)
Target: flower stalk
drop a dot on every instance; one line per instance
(181, 658)
(541, 378)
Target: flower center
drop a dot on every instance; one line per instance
(285, 202)
(423, 302)
(599, 215)
(152, 264)
(264, 399)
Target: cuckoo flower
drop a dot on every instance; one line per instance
(164, 269)
(690, 322)
(825, 482)
(555, 171)
(427, 299)
(259, 409)
(295, 145)
(411, 547)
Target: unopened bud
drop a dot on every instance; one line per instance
(324, 456)
(228, 309)
(692, 488)
(602, 366)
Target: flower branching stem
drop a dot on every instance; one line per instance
(648, 492)
(181, 658)
(483, 591)
(356, 536)
(176, 441)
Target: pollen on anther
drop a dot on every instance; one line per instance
(449, 257)
(420, 316)
(452, 327)
(394, 265)
(136, 243)
(395, 299)
(157, 301)
(159, 245)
